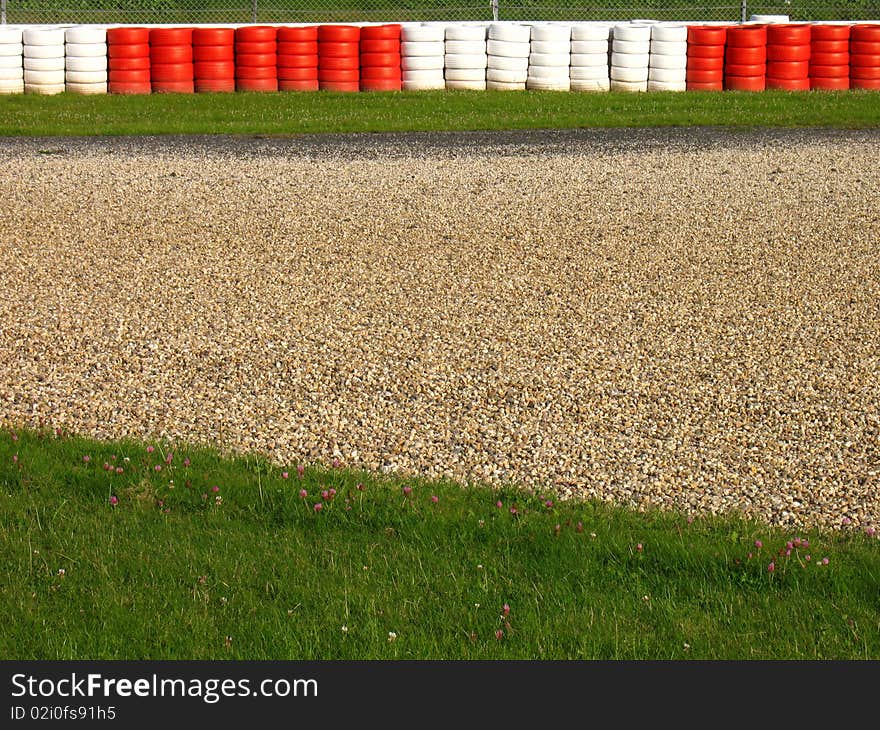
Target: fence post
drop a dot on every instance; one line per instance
(494, 10)
(254, 15)
(745, 10)
(2, 12)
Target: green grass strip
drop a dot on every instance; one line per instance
(126, 551)
(329, 112)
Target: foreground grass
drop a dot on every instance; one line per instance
(209, 557)
(328, 112)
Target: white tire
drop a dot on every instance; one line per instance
(86, 34)
(465, 47)
(633, 33)
(11, 49)
(503, 86)
(81, 50)
(85, 77)
(589, 59)
(590, 32)
(11, 74)
(667, 75)
(421, 63)
(85, 63)
(11, 62)
(549, 59)
(9, 35)
(465, 32)
(661, 61)
(550, 73)
(465, 74)
(422, 48)
(637, 47)
(508, 49)
(548, 84)
(470, 60)
(670, 48)
(434, 85)
(630, 60)
(44, 89)
(558, 33)
(667, 85)
(550, 47)
(43, 36)
(11, 87)
(422, 75)
(669, 33)
(56, 51)
(590, 47)
(466, 85)
(597, 85)
(504, 63)
(507, 77)
(43, 77)
(43, 64)
(588, 73)
(422, 34)
(510, 33)
(631, 75)
(629, 86)
(86, 89)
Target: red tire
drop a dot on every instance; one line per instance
(380, 59)
(829, 47)
(381, 32)
(250, 47)
(307, 85)
(825, 83)
(332, 63)
(866, 32)
(704, 77)
(788, 53)
(865, 84)
(255, 60)
(134, 76)
(744, 83)
(214, 86)
(339, 76)
(743, 54)
(129, 64)
(788, 69)
(829, 33)
(862, 60)
(380, 84)
(295, 35)
(338, 50)
(256, 84)
(171, 72)
(745, 69)
(789, 34)
(339, 33)
(255, 34)
(829, 72)
(747, 36)
(705, 51)
(298, 61)
(709, 86)
(864, 73)
(128, 36)
(173, 87)
(380, 46)
(298, 48)
(297, 74)
(119, 87)
(705, 64)
(380, 73)
(213, 36)
(171, 54)
(865, 48)
(706, 35)
(830, 59)
(171, 36)
(788, 84)
(339, 86)
(213, 70)
(139, 50)
(213, 53)
(256, 73)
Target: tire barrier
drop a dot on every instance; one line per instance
(590, 51)
(256, 58)
(630, 57)
(380, 58)
(171, 60)
(465, 59)
(745, 58)
(788, 57)
(549, 58)
(705, 57)
(213, 60)
(11, 61)
(339, 57)
(43, 60)
(864, 57)
(422, 52)
(507, 60)
(128, 61)
(667, 69)
(297, 58)
(829, 57)
(85, 60)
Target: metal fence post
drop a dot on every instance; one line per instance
(254, 15)
(745, 10)
(2, 12)
(494, 10)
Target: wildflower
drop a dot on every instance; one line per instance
(579, 527)
(87, 459)
(158, 467)
(407, 491)
(392, 636)
(204, 496)
(435, 498)
(797, 542)
(548, 503)
(846, 521)
(807, 558)
(106, 466)
(499, 634)
(325, 495)
(788, 553)
(331, 492)
(513, 511)
(114, 500)
(788, 546)
(771, 567)
(119, 470)
(203, 580)
(690, 522)
(824, 561)
(228, 642)
(186, 462)
(303, 493)
(344, 629)
(498, 504)
(218, 500)
(557, 529)
(870, 531)
(284, 475)
(300, 470)
(215, 489)
(360, 487)
(592, 534)
(639, 547)
(759, 544)
(336, 463)
(169, 458)
(150, 449)
(61, 572)
(505, 609)
(318, 507)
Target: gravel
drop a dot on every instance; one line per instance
(687, 318)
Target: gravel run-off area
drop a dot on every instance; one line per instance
(687, 318)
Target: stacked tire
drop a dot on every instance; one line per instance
(213, 60)
(43, 60)
(508, 47)
(465, 58)
(85, 60)
(171, 60)
(422, 51)
(667, 68)
(256, 58)
(11, 61)
(829, 57)
(788, 57)
(705, 57)
(297, 50)
(128, 61)
(380, 58)
(550, 58)
(864, 57)
(589, 57)
(745, 59)
(630, 57)
(339, 57)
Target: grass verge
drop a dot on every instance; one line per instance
(129, 551)
(332, 112)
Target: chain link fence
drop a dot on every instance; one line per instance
(337, 11)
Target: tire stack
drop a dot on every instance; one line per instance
(256, 58)
(705, 57)
(508, 47)
(128, 51)
(298, 58)
(380, 58)
(422, 50)
(864, 57)
(339, 57)
(171, 60)
(85, 59)
(465, 58)
(589, 57)
(630, 57)
(829, 57)
(213, 59)
(667, 68)
(11, 61)
(43, 60)
(745, 60)
(788, 57)
(550, 58)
